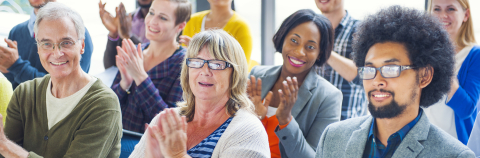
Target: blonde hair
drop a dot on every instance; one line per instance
(466, 34)
(221, 46)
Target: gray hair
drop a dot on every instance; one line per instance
(55, 10)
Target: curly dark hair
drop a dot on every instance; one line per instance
(427, 43)
(306, 15)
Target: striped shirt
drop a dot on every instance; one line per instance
(205, 148)
(354, 101)
(159, 91)
(375, 149)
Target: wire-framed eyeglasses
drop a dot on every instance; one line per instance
(66, 45)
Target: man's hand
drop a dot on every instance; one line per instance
(124, 25)
(108, 20)
(8, 55)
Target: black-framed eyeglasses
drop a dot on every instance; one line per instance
(212, 64)
(66, 45)
(387, 71)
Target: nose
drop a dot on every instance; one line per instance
(205, 70)
(379, 81)
(57, 52)
(299, 51)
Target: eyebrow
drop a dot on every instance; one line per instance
(63, 39)
(308, 40)
(386, 61)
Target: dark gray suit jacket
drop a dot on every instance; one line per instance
(318, 104)
(348, 138)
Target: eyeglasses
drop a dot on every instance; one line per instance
(387, 71)
(65, 45)
(212, 64)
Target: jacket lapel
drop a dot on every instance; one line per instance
(356, 143)
(304, 93)
(269, 78)
(411, 146)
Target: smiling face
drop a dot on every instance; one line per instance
(160, 21)
(301, 48)
(451, 14)
(207, 84)
(57, 62)
(389, 97)
(328, 6)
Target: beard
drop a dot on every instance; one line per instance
(144, 5)
(41, 5)
(391, 110)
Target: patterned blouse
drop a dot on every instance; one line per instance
(205, 148)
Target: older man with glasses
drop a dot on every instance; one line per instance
(66, 113)
(19, 62)
(405, 59)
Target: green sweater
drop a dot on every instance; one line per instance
(92, 129)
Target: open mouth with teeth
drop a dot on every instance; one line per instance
(203, 84)
(324, 1)
(380, 96)
(58, 63)
(153, 30)
(296, 62)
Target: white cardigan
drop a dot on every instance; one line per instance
(245, 136)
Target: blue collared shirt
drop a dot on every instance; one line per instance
(375, 149)
(31, 23)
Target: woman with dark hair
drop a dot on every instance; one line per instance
(303, 103)
(455, 113)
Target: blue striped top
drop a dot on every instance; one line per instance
(205, 148)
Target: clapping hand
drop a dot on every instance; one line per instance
(288, 97)
(185, 40)
(130, 61)
(124, 22)
(108, 20)
(8, 55)
(254, 90)
(169, 135)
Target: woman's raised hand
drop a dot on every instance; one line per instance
(288, 97)
(254, 90)
(171, 134)
(131, 59)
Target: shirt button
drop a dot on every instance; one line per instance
(45, 138)
(284, 137)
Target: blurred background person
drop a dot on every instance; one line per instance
(148, 81)
(220, 16)
(294, 123)
(340, 69)
(455, 113)
(20, 62)
(6, 92)
(66, 113)
(123, 26)
(220, 117)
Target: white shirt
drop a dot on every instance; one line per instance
(57, 109)
(440, 114)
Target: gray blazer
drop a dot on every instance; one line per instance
(318, 104)
(348, 138)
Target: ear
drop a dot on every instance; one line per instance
(181, 26)
(467, 15)
(83, 47)
(425, 76)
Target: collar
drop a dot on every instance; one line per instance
(138, 14)
(402, 132)
(31, 23)
(345, 20)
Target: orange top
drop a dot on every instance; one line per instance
(270, 124)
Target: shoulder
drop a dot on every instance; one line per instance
(441, 143)
(18, 31)
(20, 27)
(31, 86)
(237, 19)
(199, 15)
(325, 86)
(244, 123)
(346, 127)
(257, 71)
